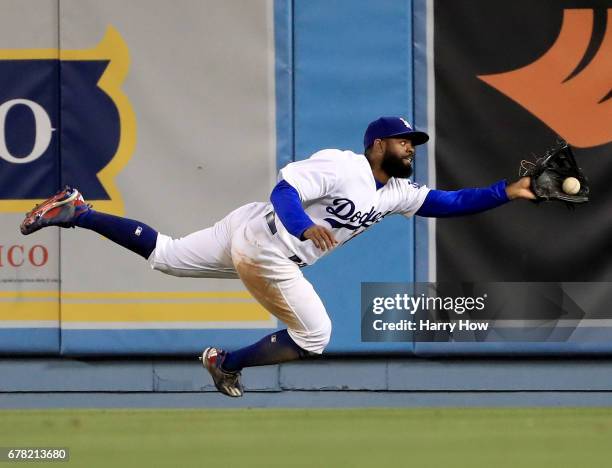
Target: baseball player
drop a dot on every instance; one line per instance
(317, 205)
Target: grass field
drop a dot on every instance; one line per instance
(318, 438)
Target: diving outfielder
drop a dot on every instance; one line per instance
(318, 204)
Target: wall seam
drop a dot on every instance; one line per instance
(292, 70)
(59, 165)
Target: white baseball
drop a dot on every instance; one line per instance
(571, 186)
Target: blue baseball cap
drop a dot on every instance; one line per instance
(386, 127)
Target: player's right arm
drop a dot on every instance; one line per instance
(288, 208)
(300, 182)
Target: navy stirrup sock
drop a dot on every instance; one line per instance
(131, 234)
(273, 349)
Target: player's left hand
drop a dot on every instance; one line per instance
(520, 189)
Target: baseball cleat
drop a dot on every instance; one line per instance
(61, 210)
(227, 383)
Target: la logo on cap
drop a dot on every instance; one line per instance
(405, 122)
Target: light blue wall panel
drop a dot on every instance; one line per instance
(162, 343)
(29, 341)
(353, 63)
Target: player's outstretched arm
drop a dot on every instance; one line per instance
(444, 204)
(520, 189)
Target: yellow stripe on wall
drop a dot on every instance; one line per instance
(34, 311)
(156, 295)
(205, 312)
(45, 305)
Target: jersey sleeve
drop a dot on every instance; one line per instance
(288, 208)
(314, 177)
(408, 197)
(443, 204)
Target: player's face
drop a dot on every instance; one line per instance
(398, 154)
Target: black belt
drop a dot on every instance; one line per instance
(273, 230)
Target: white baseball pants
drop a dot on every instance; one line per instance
(242, 245)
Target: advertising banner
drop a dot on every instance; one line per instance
(511, 79)
(174, 127)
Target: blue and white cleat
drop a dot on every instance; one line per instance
(227, 383)
(61, 210)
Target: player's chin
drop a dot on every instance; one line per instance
(401, 168)
(406, 170)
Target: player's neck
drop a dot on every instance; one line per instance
(379, 174)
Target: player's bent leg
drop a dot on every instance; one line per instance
(296, 303)
(278, 285)
(290, 297)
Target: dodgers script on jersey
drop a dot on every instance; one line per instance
(338, 190)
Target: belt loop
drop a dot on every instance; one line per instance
(271, 223)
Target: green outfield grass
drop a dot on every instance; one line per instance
(318, 438)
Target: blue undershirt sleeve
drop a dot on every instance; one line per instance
(288, 207)
(443, 204)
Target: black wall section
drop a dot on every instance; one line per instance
(482, 135)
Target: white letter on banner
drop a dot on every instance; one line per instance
(43, 131)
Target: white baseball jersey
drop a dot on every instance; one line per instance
(338, 190)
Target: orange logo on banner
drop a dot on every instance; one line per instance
(578, 108)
